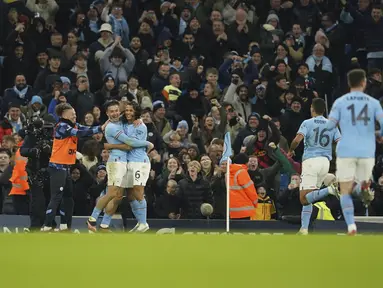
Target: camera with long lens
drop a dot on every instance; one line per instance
(41, 141)
(43, 134)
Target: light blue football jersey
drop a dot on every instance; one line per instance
(356, 113)
(318, 138)
(139, 133)
(114, 134)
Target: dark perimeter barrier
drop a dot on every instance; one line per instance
(366, 225)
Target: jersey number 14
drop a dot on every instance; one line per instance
(362, 116)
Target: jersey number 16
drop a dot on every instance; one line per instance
(322, 137)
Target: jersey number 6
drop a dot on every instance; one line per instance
(137, 175)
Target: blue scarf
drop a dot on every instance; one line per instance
(326, 63)
(120, 27)
(21, 93)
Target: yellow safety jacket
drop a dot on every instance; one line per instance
(324, 212)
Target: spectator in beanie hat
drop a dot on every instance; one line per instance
(256, 65)
(259, 145)
(37, 110)
(193, 151)
(250, 129)
(13, 121)
(108, 91)
(159, 120)
(179, 138)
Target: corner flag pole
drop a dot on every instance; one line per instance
(226, 157)
(228, 195)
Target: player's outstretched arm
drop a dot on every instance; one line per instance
(65, 130)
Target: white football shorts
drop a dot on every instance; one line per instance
(117, 174)
(354, 169)
(138, 173)
(314, 170)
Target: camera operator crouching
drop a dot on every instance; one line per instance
(37, 147)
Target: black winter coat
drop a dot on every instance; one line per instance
(154, 137)
(192, 195)
(218, 186)
(81, 197)
(167, 204)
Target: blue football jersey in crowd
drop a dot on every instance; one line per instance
(356, 114)
(139, 133)
(318, 138)
(114, 134)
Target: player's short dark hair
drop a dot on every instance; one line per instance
(355, 78)
(319, 106)
(60, 108)
(110, 103)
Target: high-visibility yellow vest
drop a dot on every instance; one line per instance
(324, 212)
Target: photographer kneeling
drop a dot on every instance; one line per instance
(37, 147)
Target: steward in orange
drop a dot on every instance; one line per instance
(243, 196)
(19, 177)
(20, 184)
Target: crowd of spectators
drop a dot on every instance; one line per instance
(198, 69)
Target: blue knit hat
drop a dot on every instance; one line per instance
(36, 99)
(183, 124)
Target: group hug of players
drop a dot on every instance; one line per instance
(128, 167)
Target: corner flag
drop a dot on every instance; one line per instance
(226, 148)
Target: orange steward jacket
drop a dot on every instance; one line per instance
(243, 196)
(19, 177)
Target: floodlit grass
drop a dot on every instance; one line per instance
(235, 261)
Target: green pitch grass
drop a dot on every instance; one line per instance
(198, 261)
